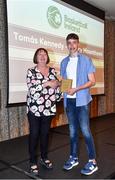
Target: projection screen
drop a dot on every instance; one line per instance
(46, 23)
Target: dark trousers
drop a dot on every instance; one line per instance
(39, 130)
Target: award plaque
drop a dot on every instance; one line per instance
(66, 84)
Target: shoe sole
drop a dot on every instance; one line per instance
(33, 173)
(71, 166)
(45, 165)
(87, 174)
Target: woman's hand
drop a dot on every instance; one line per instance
(46, 84)
(53, 84)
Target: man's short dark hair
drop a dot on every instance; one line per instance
(35, 55)
(72, 36)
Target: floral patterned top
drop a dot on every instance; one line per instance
(41, 101)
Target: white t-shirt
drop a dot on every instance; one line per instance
(72, 73)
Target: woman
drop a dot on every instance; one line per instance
(43, 91)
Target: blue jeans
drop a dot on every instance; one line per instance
(78, 117)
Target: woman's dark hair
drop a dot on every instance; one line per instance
(72, 36)
(35, 55)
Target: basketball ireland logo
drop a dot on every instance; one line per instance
(54, 17)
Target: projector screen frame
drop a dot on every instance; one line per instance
(80, 4)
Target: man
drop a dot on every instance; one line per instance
(80, 69)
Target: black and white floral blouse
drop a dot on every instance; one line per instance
(41, 101)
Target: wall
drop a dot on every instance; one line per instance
(13, 121)
(106, 104)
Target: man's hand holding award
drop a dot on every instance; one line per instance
(66, 84)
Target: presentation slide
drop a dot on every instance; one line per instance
(46, 23)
